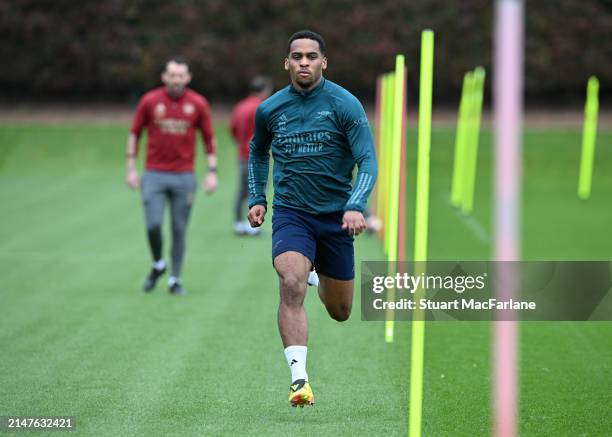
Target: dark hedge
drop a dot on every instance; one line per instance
(113, 49)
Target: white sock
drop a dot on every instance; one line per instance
(313, 278)
(296, 359)
(159, 265)
(172, 280)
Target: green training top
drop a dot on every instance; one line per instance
(317, 137)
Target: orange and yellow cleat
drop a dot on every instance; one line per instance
(300, 393)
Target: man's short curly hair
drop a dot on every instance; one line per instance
(308, 34)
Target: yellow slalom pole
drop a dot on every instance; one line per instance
(381, 210)
(394, 189)
(382, 178)
(421, 230)
(374, 200)
(460, 142)
(589, 135)
(471, 161)
(388, 160)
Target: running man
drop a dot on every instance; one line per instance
(317, 131)
(242, 125)
(171, 114)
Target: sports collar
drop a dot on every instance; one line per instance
(313, 92)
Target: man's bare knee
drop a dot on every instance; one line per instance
(337, 296)
(340, 313)
(292, 269)
(292, 290)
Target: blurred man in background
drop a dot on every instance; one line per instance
(242, 125)
(318, 132)
(171, 114)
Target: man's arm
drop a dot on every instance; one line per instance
(259, 165)
(360, 139)
(209, 184)
(131, 148)
(131, 152)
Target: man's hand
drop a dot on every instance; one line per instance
(256, 215)
(132, 179)
(131, 174)
(209, 183)
(353, 222)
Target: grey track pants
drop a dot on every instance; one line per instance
(242, 193)
(178, 190)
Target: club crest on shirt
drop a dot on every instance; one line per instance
(160, 110)
(322, 115)
(188, 108)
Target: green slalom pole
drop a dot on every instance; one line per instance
(388, 158)
(394, 188)
(472, 142)
(460, 141)
(421, 230)
(589, 136)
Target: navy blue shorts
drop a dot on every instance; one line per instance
(319, 237)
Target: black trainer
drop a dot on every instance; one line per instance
(151, 280)
(177, 289)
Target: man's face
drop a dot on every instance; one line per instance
(305, 63)
(176, 77)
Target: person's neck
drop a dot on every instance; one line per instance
(310, 88)
(175, 96)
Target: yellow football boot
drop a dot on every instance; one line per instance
(300, 393)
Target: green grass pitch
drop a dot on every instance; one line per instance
(79, 338)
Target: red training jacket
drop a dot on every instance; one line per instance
(171, 125)
(243, 124)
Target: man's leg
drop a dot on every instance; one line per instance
(154, 200)
(293, 249)
(292, 268)
(243, 191)
(337, 296)
(335, 264)
(181, 200)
